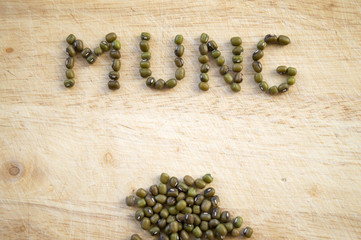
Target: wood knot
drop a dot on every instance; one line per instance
(13, 170)
(9, 50)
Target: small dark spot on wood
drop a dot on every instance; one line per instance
(284, 179)
(9, 50)
(14, 170)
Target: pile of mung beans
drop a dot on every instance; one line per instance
(176, 209)
(210, 46)
(257, 66)
(145, 71)
(76, 46)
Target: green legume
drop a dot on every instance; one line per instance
(150, 82)
(216, 213)
(189, 218)
(174, 236)
(237, 67)
(283, 40)
(129, 200)
(69, 74)
(154, 219)
(86, 52)
(182, 187)
(204, 38)
(161, 198)
(184, 235)
(263, 86)
(139, 215)
(144, 46)
(235, 232)
(236, 41)
(116, 64)
(162, 188)
(291, 71)
(135, 237)
(203, 49)
(171, 218)
(181, 205)
(204, 226)
(204, 77)
(178, 62)
(196, 209)
(173, 181)
(98, 51)
(104, 45)
(247, 232)
(206, 205)
(69, 62)
(209, 192)
(291, 80)
(171, 83)
(157, 208)
(179, 50)
(188, 227)
(91, 58)
(198, 199)
(220, 61)
(71, 51)
(212, 45)
(180, 73)
(163, 237)
(225, 217)
(172, 192)
(237, 50)
(283, 87)
(229, 226)
(205, 68)
(258, 77)
(270, 38)
(78, 45)
(203, 86)
(110, 37)
(192, 192)
(173, 226)
(71, 39)
(141, 193)
(207, 178)
(190, 201)
(154, 231)
(116, 45)
(164, 213)
(179, 217)
(164, 177)
(197, 220)
(215, 201)
(145, 72)
(150, 200)
(257, 55)
(144, 64)
(148, 211)
(199, 183)
(228, 78)
(145, 223)
(203, 58)
(178, 39)
(257, 66)
(213, 223)
(216, 53)
(69, 83)
(238, 78)
(273, 90)
(113, 85)
(221, 230)
(237, 59)
(224, 70)
(146, 55)
(197, 232)
(209, 235)
(188, 180)
(159, 84)
(145, 36)
(261, 45)
(237, 222)
(204, 216)
(281, 69)
(115, 54)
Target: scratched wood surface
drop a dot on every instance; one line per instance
(290, 164)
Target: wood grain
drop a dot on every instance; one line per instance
(291, 163)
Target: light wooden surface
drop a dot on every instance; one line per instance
(290, 165)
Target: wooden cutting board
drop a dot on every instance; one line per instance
(289, 164)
